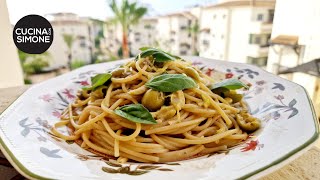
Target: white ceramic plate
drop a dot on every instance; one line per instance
(289, 127)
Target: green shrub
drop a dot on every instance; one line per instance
(33, 63)
(77, 64)
(27, 81)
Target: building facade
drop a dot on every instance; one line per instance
(143, 34)
(296, 38)
(237, 30)
(174, 33)
(83, 30)
(112, 38)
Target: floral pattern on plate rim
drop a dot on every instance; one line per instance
(61, 99)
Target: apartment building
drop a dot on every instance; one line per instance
(143, 34)
(296, 40)
(112, 38)
(84, 31)
(236, 30)
(174, 34)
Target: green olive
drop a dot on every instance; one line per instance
(166, 112)
(153, 100)
(118, 72)
(191, 72)
(247, 122)
(233, 95)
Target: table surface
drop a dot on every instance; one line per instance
(306, 166)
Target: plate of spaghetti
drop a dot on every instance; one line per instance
(161, 116)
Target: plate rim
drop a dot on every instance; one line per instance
(277, 164)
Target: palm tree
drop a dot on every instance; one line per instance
(194, 31)
(69, 40)
(126, 14)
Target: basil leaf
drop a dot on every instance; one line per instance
(171, 82)
(157, 54)
(230, 84)
(136, 113)
(98, 80)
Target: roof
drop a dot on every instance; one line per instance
(62, 14)
(68, 22)
(243, 3)
(285, 40)
(206, 30)
(186, 14)
(150, 19)
(311, 67)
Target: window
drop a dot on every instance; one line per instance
(222, 36)
(82, 44)
(260, 17)
(185, 45)
(254, 39)
(137, 34)
(183, 27)
(172, 40)
(189, 34)
(205, 42)
(258, 61)
(224, 16)
(213, 35)
(183, 52)
(271, 14)
(189, 22)
(147, 26)
(82, 40)
(257, 40)
(214, 16)
(137, 39)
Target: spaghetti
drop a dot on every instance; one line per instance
(189, 122)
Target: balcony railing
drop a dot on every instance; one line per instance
(260, 27)
(255, 50)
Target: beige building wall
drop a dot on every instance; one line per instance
(112, 37)
(227, 27)
(306, 26)
(68, 23)
(143, 34)
(10, 69)
(173, 33)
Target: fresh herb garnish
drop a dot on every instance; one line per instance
(157, 54)
(230, 84)
(98, 80)
(136, 113)
(226, 88)
(171, 82)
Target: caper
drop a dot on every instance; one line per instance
(153, 100)
(118, 72)
(166, 112)
(189, 71)
(248, 123)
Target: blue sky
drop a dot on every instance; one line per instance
(93, 8)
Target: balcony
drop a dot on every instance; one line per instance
(260, 27)
(255, 50)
